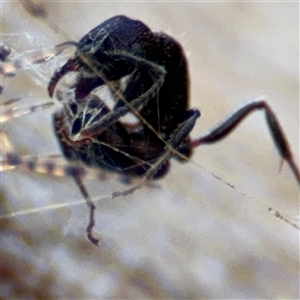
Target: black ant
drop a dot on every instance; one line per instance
(146, 75)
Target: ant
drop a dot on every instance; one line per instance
(146, 76)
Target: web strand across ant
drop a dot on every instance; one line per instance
(146, 76)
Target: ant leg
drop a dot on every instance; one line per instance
(279, 138)
(48, 167)
(174, 143)
(10, 160)
(92, 208)
(172, 146)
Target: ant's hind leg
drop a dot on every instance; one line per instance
(278, 136)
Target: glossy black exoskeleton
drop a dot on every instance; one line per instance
(156, 91)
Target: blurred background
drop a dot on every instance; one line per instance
(189, 235)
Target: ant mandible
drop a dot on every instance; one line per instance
(146, 74)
